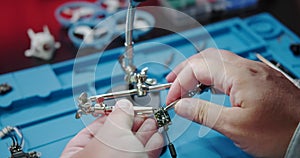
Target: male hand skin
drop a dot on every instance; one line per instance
(265, 105)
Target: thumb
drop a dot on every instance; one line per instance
(122, 116)
(201, 111)
(116, 132)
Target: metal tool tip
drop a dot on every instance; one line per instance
(171, 105)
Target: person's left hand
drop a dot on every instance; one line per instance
(117, 134)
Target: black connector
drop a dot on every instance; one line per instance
(17, 152)
(172, 150)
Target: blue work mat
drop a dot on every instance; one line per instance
(42, 101)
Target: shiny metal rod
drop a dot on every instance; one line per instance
(171, 105)
(130, 92)
(128, 55)
(138, 110)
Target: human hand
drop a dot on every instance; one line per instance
(265, 105)
(117, 134)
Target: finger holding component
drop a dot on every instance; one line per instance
(200, 88)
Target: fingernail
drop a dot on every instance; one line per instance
(125, 106)
(168, 75)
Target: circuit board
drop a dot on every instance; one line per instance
(42, 101)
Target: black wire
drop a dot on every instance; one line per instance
(13, 140)
(16, 140)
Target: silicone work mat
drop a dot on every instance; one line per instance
(42, 101)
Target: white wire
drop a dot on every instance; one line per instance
(18, 132)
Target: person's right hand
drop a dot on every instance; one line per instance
(265, 105)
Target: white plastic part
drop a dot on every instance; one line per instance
(42, 44)
(90, 35)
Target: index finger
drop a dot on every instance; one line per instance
(210, 67)
(208, 53)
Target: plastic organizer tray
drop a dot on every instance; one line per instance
(42, 104)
